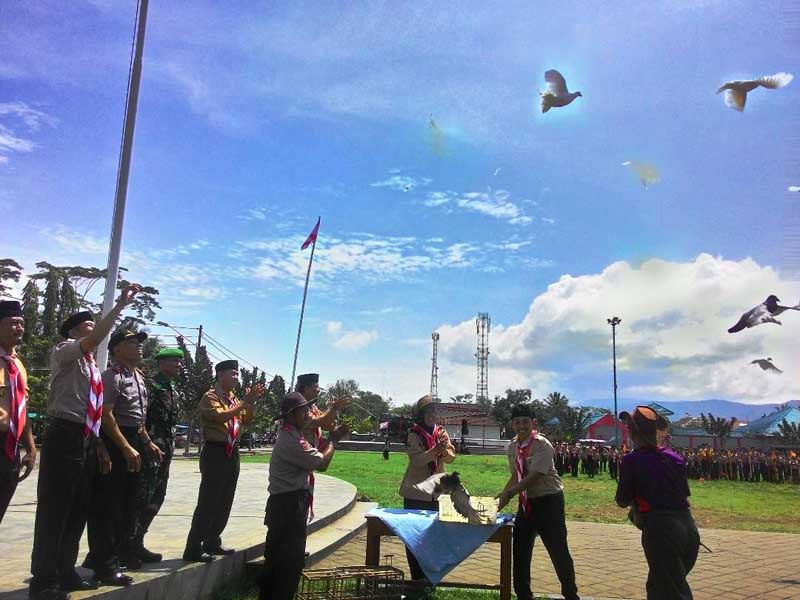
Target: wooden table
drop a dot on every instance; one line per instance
(503, 536)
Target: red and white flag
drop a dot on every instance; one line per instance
(312, 237)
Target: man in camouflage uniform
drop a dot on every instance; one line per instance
(162, 414)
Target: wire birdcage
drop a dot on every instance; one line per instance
(351, 583)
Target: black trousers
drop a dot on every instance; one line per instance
(9, 477)
(285, 547)
(547, 520)
(67, 464)
(218, 477)
(671, 543)
(413, 564)
(156, 477)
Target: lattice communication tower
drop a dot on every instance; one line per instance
(435, 368)
(482, 324)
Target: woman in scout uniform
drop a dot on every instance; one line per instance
(429, 448)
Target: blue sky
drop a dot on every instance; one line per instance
(256, 118)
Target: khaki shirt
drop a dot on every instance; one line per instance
(5, 389)
(540, 460)
(69, 382)
(293, 459)
(125, 393)
(211, 404)
(418, 470)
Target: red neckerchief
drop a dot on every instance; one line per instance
(523, 450)
(429, 441)
(17, 414)
(233, 426)
(287, 427)
(94, 404)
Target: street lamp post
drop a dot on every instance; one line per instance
(614, 321)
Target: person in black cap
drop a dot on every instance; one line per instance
(541, 505)
(68, 457)
(121, 493)
(291, 496)
(221, 417)
(308, 386)
(653, 483)
(15, 430)
(162, 415)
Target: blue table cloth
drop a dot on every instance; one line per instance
(439, 547)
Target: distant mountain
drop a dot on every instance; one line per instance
(719, 408)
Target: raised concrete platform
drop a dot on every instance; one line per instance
(174, 579)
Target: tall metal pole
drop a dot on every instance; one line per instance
(122, 176)
(199, 342)
(302, 312)
(614, 321)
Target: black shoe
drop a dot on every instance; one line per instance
(76, 583)
(144, 555)
(48, 594)
(117, 578)
(201, 557)
(130, 563)
(220, 551)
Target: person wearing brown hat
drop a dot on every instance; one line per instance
(428, 448)
(291, 495)
(68, 455)
(221, 418)
(653, 483)
(308, 386)
(15, 430)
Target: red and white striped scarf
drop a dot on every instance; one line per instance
(429, 441)
(94, 404)
(17, 414)
(523, 450)
(233, 426)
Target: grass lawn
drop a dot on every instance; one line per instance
(715, 504)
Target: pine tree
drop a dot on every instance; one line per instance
(10, 270)
(30, 311)
(50, 321)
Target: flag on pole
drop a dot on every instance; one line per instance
(312, 237)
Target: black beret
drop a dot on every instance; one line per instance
(307, 379)
(124, 334)
(74, 321)
(522, 410)
(10, 308)
(227, 365)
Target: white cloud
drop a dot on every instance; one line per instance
(349, 339)
(255, 214)
(496, 204)
(74, 241)
(333, 327)
(673, 335)
(18, 115)
(403, 183)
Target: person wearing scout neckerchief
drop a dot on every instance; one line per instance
(68, 456)
(221, 418)
(541, 505)
(162, 415)
(15, 431)
(290, 474)
(653, 482)
(308, 386)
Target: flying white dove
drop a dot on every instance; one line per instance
(766, 365)
(648, 174)
(557, 94)
(763, 313)
(450, 484)
(794, 188)
(497, 171)
(736, 91)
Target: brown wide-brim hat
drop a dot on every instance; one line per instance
(294, 400)
(645, 421)
(423, 404)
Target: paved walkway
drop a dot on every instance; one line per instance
(169, 530)
(743, 565)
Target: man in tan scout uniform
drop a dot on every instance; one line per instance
(221, 418)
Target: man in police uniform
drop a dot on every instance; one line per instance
(15, 430)
(68, 458)
(290, 497)
(221, 418)
(162, 413)
(121, 493)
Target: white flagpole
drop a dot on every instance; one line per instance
(303, 310)
(122, 177)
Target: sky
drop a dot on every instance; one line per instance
(414, 131)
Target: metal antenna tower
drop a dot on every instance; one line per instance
(482, 324)
(435, 368)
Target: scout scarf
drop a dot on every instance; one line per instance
(523, 450)
(233, 426)
(428, 440)
(306, 445)
(17, 413)
(94, 404)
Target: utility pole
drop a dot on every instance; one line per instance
(199, 342)
(614, 321)
(435, 368)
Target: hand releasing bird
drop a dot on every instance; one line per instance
(557, 94)
(450, 484)
(766, 365)
(763, 313)
(736, 91)
(648, 174)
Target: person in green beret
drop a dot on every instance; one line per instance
(162, 415)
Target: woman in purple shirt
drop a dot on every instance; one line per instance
(652, 481)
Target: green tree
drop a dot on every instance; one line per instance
(196, 379)
(503, 405)
(30, 311)
(789, 433)
(573, 422)
(10, 270)
(717, 426)
(461, 398)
